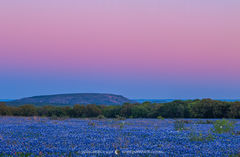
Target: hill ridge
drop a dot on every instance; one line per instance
(70, 99)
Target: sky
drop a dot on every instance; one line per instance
(137, 48)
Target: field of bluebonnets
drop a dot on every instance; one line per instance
(34, 136)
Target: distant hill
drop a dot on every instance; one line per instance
(72, 99)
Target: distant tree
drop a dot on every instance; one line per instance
(111, 111)
(173, 109)
(127, 110)
(4, 110)
(150, 109)
(68, 111)
(139, 111)
(203, 109)
(60, 112)
(220, 109)
(234, 110)
(92, 111)
(47, 111)
(43, 111)
(15, 110)
(27, 110)
(78, 110)
(208, 108)
(155, 111)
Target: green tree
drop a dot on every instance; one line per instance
(78, 110)
(92, 110)
(27, 110)
(126, 110)
(203, 109)
(111, 111)
(139, 111)
(4, 110)
(173, 109)
(220, 109)
(234, 110)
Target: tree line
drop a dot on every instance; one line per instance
(205, 108)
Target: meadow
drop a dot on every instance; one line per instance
(35, 136)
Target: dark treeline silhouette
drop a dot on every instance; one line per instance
(205, 108)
